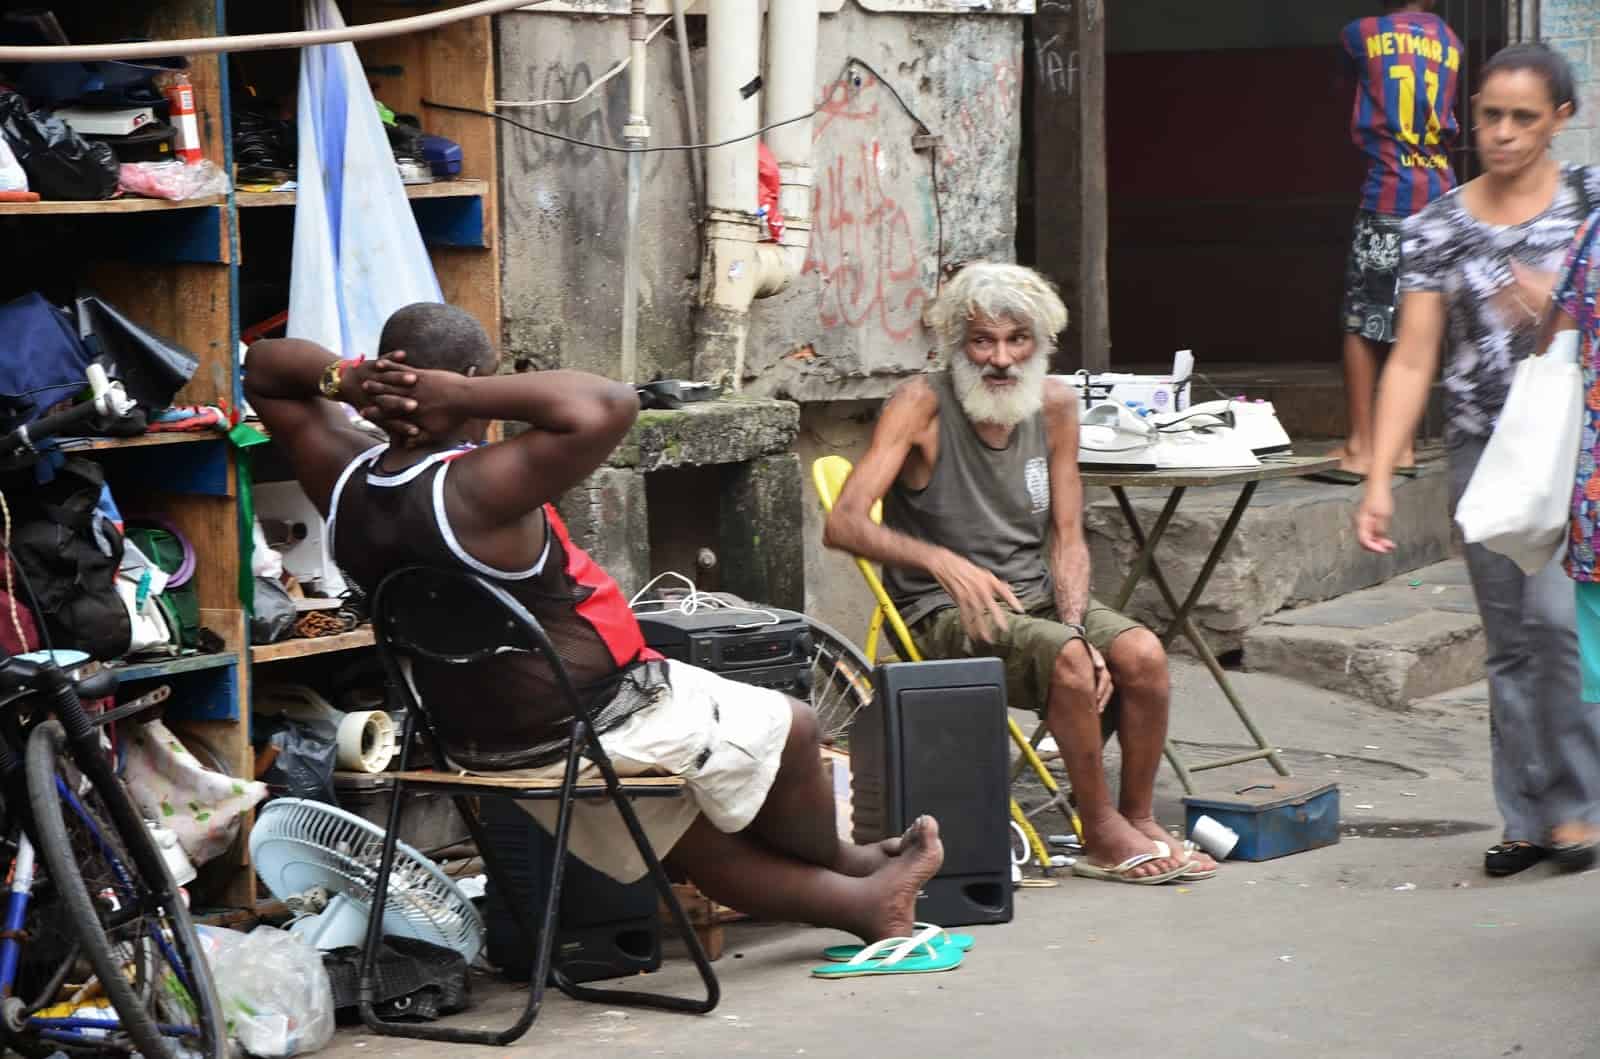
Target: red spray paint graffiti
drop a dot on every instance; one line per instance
(865, 248)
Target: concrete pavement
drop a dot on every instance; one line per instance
(1392, 943)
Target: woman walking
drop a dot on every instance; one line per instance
(1478, 267)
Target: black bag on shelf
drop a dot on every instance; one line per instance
(70, 552)
(61, 165)
(303, 766)
(151, 368)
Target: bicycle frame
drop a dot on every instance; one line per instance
(82, 733)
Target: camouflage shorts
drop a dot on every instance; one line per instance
(1028, 645)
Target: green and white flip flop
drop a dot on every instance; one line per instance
(894, 956)
(941, 939)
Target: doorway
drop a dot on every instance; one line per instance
(1232, 179)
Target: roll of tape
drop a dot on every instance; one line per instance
(366, 741)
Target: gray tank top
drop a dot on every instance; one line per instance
(991, 506)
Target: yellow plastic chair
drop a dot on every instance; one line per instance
(829, 473)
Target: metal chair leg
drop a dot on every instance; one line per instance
(543, 951)
(663, 885)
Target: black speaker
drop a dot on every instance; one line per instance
(934, 741)
(607, 929)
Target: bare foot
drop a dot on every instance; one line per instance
(859, 862)
(1354, 462)
(1202, 860)
(921, 854)
(1113, 840)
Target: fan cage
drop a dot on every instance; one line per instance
(313, 838)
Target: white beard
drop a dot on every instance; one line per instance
(1004, 407)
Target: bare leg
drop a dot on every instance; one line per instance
(1108, 837)
(1360, 395)
(798, 816)
(743, 873)
(1138, 665)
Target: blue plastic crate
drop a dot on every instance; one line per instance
(1272, 819)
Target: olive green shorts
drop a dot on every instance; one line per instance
(1028, 645)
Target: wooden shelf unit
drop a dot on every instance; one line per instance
(174, 267)
(439, 189)
(124, 205)
(353, 640)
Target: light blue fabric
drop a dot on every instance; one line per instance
(358, 255)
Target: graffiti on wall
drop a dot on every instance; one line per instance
(987, 102)
(870, 253)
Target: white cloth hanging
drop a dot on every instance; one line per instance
(358, 255)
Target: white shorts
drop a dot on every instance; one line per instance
(724, 738)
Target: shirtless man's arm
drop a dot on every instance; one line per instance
(904, 447)
(1068, 554)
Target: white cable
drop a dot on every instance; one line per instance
(696, 601)
(512, 104)
(160, 49)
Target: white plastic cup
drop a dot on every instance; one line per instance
(1215, 838)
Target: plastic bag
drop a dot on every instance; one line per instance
(352, 219)
(306, 741)
(274, 991)
(168, 784)
(274, 615)
(12, 176)
(60, 164)
(1520, 496)
(173, 180)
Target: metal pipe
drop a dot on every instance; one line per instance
(56, 53)
(636, 133)
(691, 106)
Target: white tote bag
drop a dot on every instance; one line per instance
(1520, 496)
(358, 255)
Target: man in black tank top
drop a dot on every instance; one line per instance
(757, 830)
(983, 553)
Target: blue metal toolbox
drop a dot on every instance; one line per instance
(1272, 819)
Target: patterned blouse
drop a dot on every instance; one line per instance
(1450, 252)
(1575, 295)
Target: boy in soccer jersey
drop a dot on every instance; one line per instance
(1406, 64)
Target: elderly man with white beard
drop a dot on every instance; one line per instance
(984, 555)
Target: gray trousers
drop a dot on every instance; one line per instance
(1544, 739)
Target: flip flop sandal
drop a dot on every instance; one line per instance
(894, 956)
(1120, 873)
(1509, 858)
(941, 939)
(1336, 476)
(1409, 471)
(1196, 873)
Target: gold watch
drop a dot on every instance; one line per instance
(332, 377)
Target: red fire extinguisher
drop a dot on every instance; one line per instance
(180, 93)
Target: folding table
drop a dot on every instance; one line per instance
(1179, 482)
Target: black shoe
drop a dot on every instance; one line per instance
(1508, 858)
(1574, 856)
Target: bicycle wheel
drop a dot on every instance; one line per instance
(840, 682)
(133, 925)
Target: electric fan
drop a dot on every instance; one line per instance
(299, 845)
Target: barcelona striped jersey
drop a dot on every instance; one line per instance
(1408, 69)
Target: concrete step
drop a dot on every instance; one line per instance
(1295, 546)
(1415, 636)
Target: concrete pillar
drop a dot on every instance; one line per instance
(762, 549)
(608, 517)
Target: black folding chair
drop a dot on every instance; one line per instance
(453, 618)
